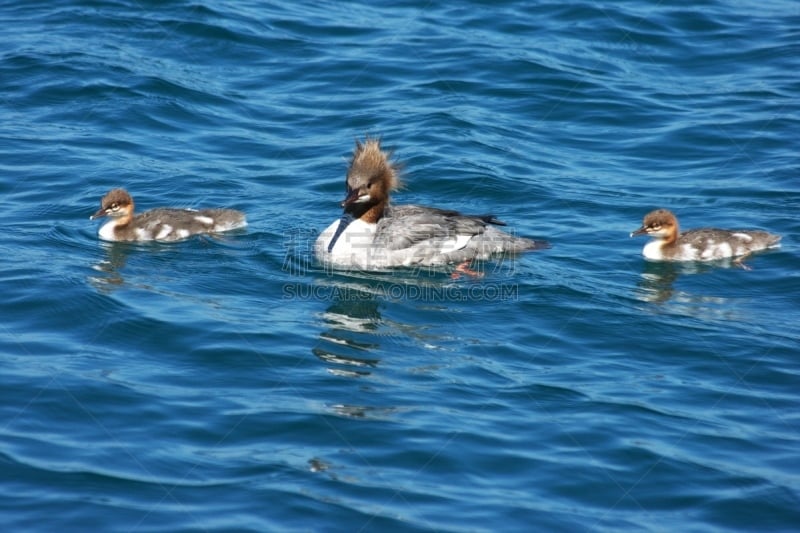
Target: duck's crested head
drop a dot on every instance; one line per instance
(117, 203)
(661, 224)
(371, 175)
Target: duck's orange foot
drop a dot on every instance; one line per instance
(463, 268)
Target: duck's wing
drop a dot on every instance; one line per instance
(166, 223)
(155, 218)
(713, 243)
(410, 225)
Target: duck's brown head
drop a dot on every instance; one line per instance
(116, 204)
(661, 224)
(370, 178)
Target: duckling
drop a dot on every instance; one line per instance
(706, 244)
(162, 224)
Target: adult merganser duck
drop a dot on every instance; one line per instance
(372, 234)
(705, 244)
(162, 224)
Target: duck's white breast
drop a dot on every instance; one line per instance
(106, 231)
(354, 247)
(652, 250)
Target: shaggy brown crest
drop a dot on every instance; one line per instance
(117, 202)
(370, 160)
(660, 222)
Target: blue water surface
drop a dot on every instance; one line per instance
(233, 384)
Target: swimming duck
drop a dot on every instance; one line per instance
(162, 224)
(705, 244)
(373, 234)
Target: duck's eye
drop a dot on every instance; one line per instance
(655, 227)
(115, 206)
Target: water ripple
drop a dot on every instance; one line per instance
(156, 387)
